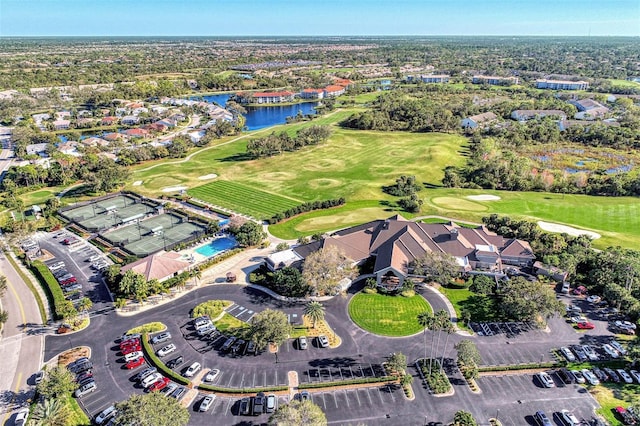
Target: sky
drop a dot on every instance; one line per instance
(318, 17)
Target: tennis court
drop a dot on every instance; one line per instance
(154, 234)
(109, 212)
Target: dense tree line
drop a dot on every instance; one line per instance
(407, 187)
(278, 143)
(306, 207)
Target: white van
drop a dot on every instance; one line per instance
(193, 369)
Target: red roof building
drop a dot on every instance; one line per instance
(136, 133)
(312, 94)
(333, 90)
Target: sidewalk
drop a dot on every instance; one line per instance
(450, 308)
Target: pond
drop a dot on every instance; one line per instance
(265, 116)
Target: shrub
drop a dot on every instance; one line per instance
(437, 380)
(370, 290)
(408, 293)
(151, 327)
(219, 389)
(51, 287)
(211, 308)
(347, 382)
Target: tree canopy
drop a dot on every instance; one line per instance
(270, 326)
(298, 413)
(249, 234)
(57, 382)
(153, 408)
(525, 300)
(324, 269)
(435, 266)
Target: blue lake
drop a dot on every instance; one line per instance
(261, 117)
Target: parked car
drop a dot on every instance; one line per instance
(618, 347)
(302, 343)
(624, 376)
(106, 414)
(201, 321)
(545, 379)
(85, 389)
(203, 331)
(175, 362)
(565, 287)
(211, 375)
(565, 375)
(159, 384)
(238, 347)
(272, 403)
(305, 396)
(84, 376)
(577, 318)
(580, 353)
(586, 325)
(591, 353)
(79, 365)
(134, 363)
(133, 355)
(128, 342)
(228, 343)
(625, 325)
(600, 374)
(38, 377)
(245, 406)
(161, 338)
(613, 376)
(610, 351)
(594, 299)
(542, 419)
(179, 392)
(580, 290)
(590, 377)
(21, 417)
(193, 369)
(577, 375)
(566, 352)
(144, 373)
(206, 403)
(569, 418)
(130, 349)
(169, 389)
(635, 374)
(166, 350)
(251, 347)
(258, 404)
(150, 379)
(323, 342)
(125, 337)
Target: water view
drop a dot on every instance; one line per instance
(261, 117)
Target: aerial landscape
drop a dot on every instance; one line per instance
(356, 213)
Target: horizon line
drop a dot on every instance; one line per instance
(319, 36)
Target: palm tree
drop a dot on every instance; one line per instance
(441, 320)
(196, 274)
(426, 319)
(50, 412)
(314, 311)
(3, 285)
(120, 303)
(4, 316)
(85, 304)
(449, 329)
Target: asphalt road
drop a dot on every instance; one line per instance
(21, 345)
(360, 355)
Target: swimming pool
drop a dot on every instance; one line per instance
(216, 246)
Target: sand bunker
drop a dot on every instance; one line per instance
(483, 197)
(209, 176)
(554, 227)
(137, 183)
(174, 188)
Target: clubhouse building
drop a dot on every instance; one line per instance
(395, 242)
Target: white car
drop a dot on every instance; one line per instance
(151, 379)
(166, 350)
(211, 375)
(591, 353)
(106, 414)
(569, 418)
(610, 351)
(302, 343)
(85, 389)
(625, 376)
(618, 347)
(133, 355)
(21, 417)
(206, 403)
(594, 299)
(590, 377)
(568, 354)
(193, 369)
(636, 375)
(545, 379)
(577, 375)
(625, 324)
(206, 329)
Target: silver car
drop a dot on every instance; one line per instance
(206, 403)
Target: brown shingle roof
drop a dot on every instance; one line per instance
(159, 266)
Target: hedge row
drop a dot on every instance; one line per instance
(50, 286)
(243, 390)
(157, 362)
(516, 367)
(306, 207)
(347, 382)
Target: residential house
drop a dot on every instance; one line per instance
(588, 109)
(529, 114)
(37, 149)
(476, 120)
(109, 155)
(140, 110)
(159, 109)
(561, 84)
(61, 124)
(565, 124)
(5, 136)
(85, 122)
(395, 243)
(63, 115)
(344, 82)
(109, 121)
(156, 127)
(9, 94)
(136, 133)
(196, 135)
(159, 266)
(69, 148)
(431, 78)
(312, 94)
(112, 137)
(282, 259)
(494, 80)
(84, 113)
(333, 91)
(121, 111)
(129, 120)
(94, 142)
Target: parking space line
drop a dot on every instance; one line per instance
(379, 392)
(231, 379)
(369, 396)
(357, 397)
(226, 411)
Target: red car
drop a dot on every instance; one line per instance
(160, 384)
(69, 281)
(586, 325)
(130, 342)
(129, 349)
(134, 363)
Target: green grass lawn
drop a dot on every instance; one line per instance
(231, 325)
(388, 315)
(481, 308)
(610, 396)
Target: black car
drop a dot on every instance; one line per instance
(175, 362)
(613, 376)
(245, 406)
(229, 342)
(238, 347)
(259, 402)
(565, 376)
(251, 347)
